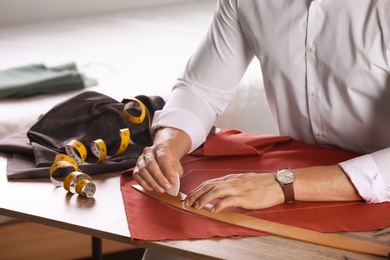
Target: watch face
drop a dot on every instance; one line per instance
(285, 176)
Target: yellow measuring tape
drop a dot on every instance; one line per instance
(78, 151)
(76, 154)
(75, 181)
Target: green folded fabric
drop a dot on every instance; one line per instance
(38, 79)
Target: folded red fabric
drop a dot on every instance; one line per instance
(235, 152)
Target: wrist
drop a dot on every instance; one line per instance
(175, 139)
(286, 177)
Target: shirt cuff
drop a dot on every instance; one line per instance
(367, 179)
(183, 120)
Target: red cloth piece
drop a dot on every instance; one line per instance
(233, 142)
(150, 219)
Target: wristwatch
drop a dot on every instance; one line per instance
(285, 177)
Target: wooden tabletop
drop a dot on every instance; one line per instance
(103, 216)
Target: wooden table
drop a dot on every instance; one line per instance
(39, 201)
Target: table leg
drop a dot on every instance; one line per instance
(97, 248)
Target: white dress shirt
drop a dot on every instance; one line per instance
(326, 71)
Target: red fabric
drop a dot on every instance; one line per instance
(150, 219)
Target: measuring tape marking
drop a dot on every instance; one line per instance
(86, 188)
(78, 146)
(73, 178)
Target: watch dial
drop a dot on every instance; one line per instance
(285, 176)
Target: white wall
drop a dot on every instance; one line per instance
(13, 12)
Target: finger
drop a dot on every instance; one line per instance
(229, 201)
(168, 164)
(150, 172)
(138, 178)
(156, 172)
(198, 192)
(218, 192)
(142, 176)
(208, 192)
(206, 187)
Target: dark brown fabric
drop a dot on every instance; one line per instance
(87, 117)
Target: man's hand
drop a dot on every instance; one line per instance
(157, 166)
(245, 190)
(261, 190)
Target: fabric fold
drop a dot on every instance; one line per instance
(238, 143)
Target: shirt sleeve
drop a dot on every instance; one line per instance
(210, 78)
(370, 175)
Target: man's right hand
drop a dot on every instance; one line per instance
(156, 168)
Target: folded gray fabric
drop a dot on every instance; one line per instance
(38, 79)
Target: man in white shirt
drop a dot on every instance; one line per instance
(326, 70)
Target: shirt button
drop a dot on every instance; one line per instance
(313, 49)
(314, 93)
(319, 134)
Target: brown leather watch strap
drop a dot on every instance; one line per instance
(273, 228)
(288, 190)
